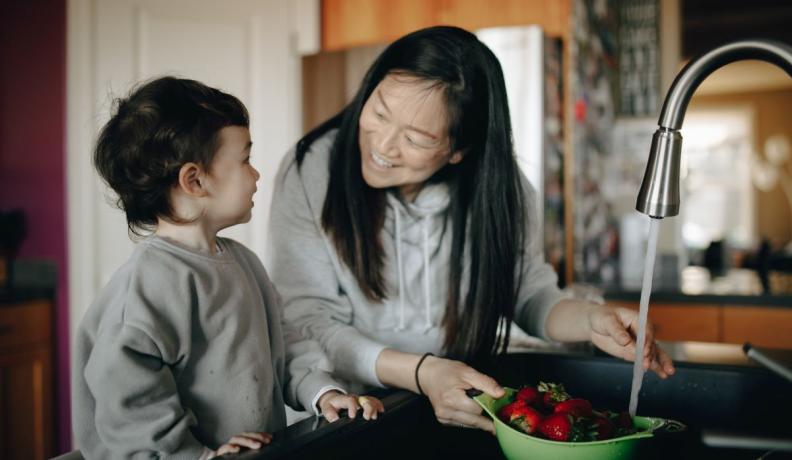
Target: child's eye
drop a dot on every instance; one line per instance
(411, 141)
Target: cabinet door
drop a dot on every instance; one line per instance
(698, 323)
(350, 23)
(686, 322)
(768, 327)
(25, 324)
(25, 404)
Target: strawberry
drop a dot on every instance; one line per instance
(506, 412)
(600, 428)
(559, 427)
(577, 407)
(623, 420)
(526, 419)
(528, 394)
(622, 423)
(552, 394)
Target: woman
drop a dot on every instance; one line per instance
(402, 226)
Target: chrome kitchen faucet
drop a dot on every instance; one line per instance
(659, 194)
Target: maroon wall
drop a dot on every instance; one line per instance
(32, 154)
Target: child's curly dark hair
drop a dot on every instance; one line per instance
(159, 127)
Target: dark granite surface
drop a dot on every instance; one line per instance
(14, 296)
(714, 299)
(706, 397)
(31, 279)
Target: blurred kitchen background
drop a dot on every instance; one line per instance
(585, 79)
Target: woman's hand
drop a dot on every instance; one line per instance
(252, 440)
(444, 382)
(615, 330)
(332, 401)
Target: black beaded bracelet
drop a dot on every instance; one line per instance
(418, 366)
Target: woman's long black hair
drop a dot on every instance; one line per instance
(486, 206)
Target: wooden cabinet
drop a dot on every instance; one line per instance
(686, 322)
(768, 327)
(26, 415)
(694, 322)
(762, 326)
(350, 23)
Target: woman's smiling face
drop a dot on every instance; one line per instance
(404, 134)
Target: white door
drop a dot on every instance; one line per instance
(249, 48)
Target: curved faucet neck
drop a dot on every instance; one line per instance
(659, 193)
(685, 84)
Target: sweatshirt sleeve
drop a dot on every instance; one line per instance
(539, 291)
(306, 377)
(301, 267)
(306, 380)
(138, 411)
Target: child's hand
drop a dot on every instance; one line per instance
(333, 401)
(614, 330)
(250, 440)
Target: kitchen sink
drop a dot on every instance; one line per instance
(700, 395)
(735, 400)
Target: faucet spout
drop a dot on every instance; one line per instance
(659, 194)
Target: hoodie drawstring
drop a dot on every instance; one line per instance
(400, 269)
(427, 289)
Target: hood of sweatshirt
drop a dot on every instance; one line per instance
(415, 230)
(416, 253)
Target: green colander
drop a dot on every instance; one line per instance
(520, 446)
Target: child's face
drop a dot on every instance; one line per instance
(231, 180)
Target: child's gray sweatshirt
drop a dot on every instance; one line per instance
(323, 298)
(182, 350)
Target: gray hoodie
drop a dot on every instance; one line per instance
(182, 350)
(322, 297)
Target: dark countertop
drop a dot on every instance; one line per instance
(33, 279)
(705, 396)
(19, 295)
(738, 287)
(716, 299)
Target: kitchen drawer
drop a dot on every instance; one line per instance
(26, 404)
(768, 327)
(685, 322)
(681, 321)
(24, 324)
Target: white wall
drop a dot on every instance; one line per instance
(250, 48)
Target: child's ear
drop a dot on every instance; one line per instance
(191, 179)
(456, 157)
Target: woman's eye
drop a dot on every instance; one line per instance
(247, 159)
(379, 116)
(412, 142)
